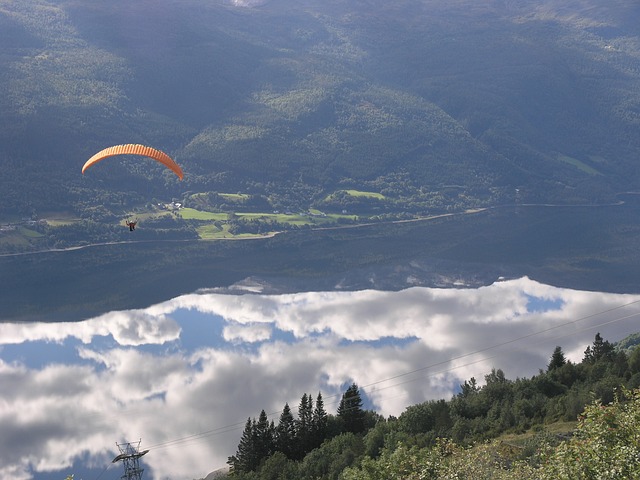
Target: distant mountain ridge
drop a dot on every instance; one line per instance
(509, 101)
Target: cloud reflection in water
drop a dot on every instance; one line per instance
(184, 375)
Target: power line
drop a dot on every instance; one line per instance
(197, 437)
(484, 359)
(103, 471)
(514, 340)
(615, 320)
(238, 425)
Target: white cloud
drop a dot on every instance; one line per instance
(189, 405)
(246, 333)
(133, 327)
(248, 3)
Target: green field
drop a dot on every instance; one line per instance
(578, 164)
(291, 219)
(57, 222)
(212, 232)
(29, 233)
(237, 197)
(356, 193)
(216, 225)
(193, 214)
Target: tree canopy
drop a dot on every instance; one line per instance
(441, 438)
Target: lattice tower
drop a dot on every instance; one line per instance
(130, 457)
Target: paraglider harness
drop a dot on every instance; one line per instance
(131, 225)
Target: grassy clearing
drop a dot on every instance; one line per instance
(334, 217)
(142, 216)
(13, 239)
(53, 218)
(358, 193)
(216, 225)
(557, 428)
(27, 232)
(236, 197)
(60, 222)
(213, 232)
(297, 219)
(598, 159)
(578, 164)
(193, 214)
(291, 219)
(58, 218)
(19, 239)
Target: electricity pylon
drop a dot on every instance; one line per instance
(130, 457)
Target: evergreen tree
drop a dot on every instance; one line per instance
(634, 361)
(305, 412)
(600, 349)
(286, 433)
(469, 388)
(350, 410)
(264, 437)
(557, 359)
(319, 423)
(246, 459)
(304, 426)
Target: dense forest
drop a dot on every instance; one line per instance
(571, 420)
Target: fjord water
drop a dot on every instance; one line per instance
(583, 247)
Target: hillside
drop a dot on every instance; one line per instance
(571, 420)
(537, 96)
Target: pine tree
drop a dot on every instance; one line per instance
(557, 359)
(264, 437)
(319, 422)
(350, 410)
(246, 459)
(600, 349)
(286, 433)
(305, 412)
(304, 425)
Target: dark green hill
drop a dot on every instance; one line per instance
(537, 96)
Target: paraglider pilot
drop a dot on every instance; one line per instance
(131, 225)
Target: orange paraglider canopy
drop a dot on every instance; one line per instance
(133, 149)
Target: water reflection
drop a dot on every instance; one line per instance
(184, 375)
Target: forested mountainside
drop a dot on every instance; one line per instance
(435, 103)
